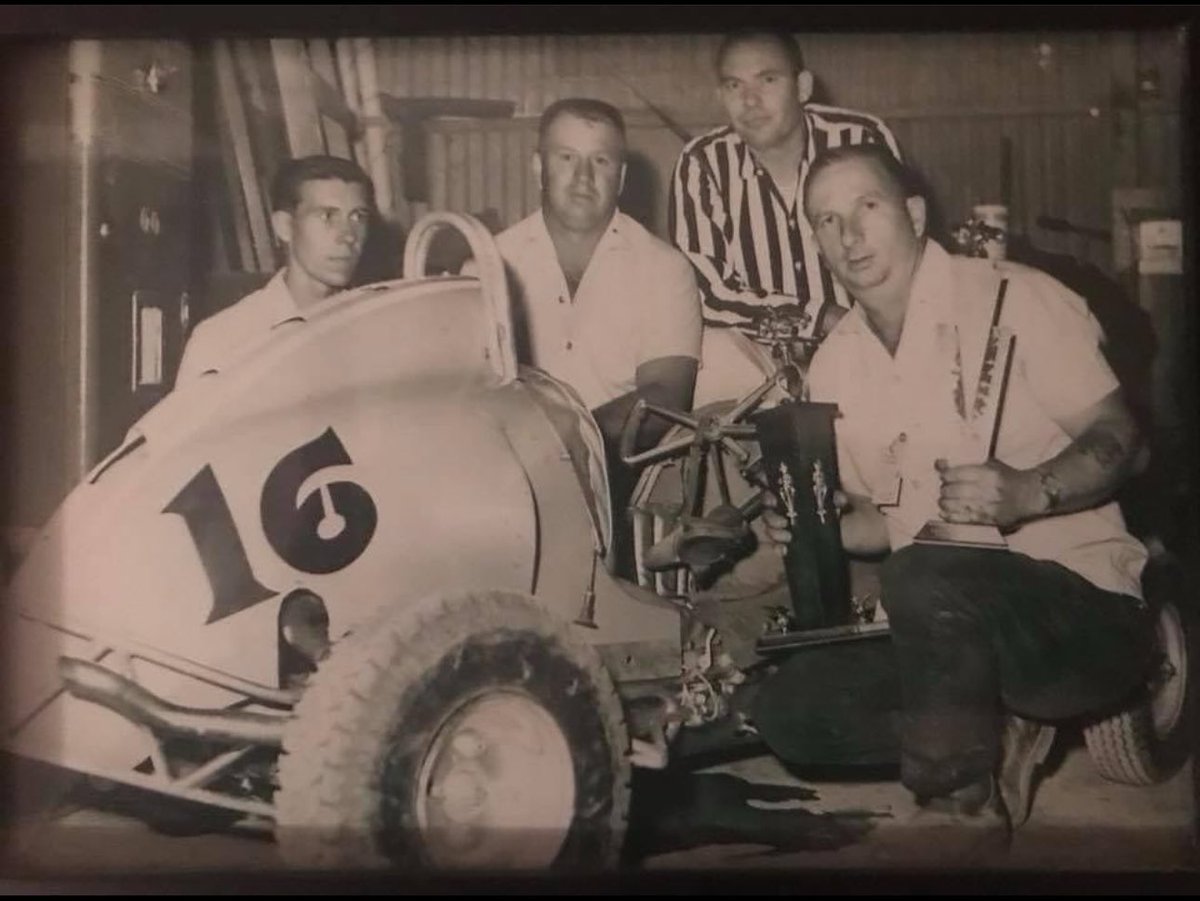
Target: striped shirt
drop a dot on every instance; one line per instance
(745, 242)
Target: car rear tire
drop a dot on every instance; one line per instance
(474, 732)
(1148, 741)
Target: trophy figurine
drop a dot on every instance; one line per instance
(799, 456)
(979, 427)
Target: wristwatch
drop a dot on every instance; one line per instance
(1051, 489)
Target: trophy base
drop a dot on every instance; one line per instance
(960, 534)
(790, 641)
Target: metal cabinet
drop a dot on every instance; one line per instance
(142, 277)
(132, 121)
(100, 140)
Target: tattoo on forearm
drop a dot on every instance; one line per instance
(1102, 446)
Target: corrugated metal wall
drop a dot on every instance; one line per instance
(1072, 107)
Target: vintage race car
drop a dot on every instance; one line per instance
(358, 584)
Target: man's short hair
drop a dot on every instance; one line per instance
(902, 178)
(285, 188)
(786, 42)
(585, 108)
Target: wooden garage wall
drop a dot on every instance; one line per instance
(1081, 113)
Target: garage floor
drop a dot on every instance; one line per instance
(1080, 824)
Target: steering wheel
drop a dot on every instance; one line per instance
(706, 533)
(710, 531)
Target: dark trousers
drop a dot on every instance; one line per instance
(976, 629)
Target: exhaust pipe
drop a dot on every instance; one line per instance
(92, 682)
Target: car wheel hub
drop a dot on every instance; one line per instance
(1170, 685)
(497, 787)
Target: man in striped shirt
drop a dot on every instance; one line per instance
(734, 208)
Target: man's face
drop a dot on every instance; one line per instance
(326, 231)
(761, 93)
(868, 232)
(581, 169)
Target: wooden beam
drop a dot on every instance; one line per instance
(264, 113)
(301, 116)
(390, 207)
(233, 126)
(245, 56)
(335, 137)
(320, 57)
(348, 70)
(338, 121)
(323, 83)
(238, 257)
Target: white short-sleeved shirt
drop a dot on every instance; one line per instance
(222, 339)
(897, 412)
(637, 302)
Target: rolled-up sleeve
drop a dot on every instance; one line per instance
(1058, 346)
(671, 320)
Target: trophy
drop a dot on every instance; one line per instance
(799, 457)
(979, 427)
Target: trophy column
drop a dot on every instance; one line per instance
(800, 459)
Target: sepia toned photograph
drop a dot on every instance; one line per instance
(509, 442)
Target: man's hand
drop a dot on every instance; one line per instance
(1087, 472)
(779, 530)
(781, 318)
(991, 493)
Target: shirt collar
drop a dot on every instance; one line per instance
(279, 301)
(933, 286)
(615, 235)
(931, 294)
(749, 164)
(750, 167)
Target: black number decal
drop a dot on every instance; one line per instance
(329, 530)
(332, 526)
(206, 512)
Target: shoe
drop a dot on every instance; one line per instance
(971, 802)
(1024, 747)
